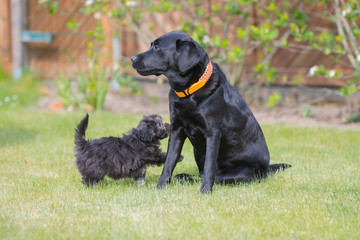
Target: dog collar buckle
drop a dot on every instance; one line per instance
(199, 84)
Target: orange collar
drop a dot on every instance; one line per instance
(199, 84)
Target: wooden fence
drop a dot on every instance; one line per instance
(68, 49)
(5, 35)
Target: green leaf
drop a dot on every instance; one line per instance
(338, 38)
(296, 81)
(287, 4)
(200, 12)
(274, 100)
(272, 7)
(348, 90)
(284, 43)
(215, 8)
(273, 34)
(306, 112)
(72, 25)
(151, 27)
(54, 7)
(241, 33)
(258, 69)
(327, 51)
(284, 16)
(225, 44)
(255, 32)
(300, 17)
(294, 27)
(216, 40)
(235, 55)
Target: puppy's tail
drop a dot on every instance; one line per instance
(80, 138)
(278, 167)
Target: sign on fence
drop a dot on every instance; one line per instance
(34, 36)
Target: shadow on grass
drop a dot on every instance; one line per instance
(11, 135)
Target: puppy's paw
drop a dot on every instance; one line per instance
(140, 182)
(89, 182)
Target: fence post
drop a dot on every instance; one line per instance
(17, 45)
(5, 32)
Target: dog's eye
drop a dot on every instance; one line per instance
(156, 47)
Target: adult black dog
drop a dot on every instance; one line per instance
(229, 145)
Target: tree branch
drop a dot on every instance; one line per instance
(267, 59)
(341, 32)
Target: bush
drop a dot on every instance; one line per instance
(274, 100)
(87, 91)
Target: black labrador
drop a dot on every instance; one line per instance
(229, 145)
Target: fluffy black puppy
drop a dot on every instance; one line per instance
(124, 157)
(229, 145)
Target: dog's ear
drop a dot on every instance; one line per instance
(145, 134)
(189, 55)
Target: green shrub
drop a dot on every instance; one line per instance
(88, 91)
(274, 100)
(306, 112)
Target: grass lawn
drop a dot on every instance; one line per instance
(41, 196)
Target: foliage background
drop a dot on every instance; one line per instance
(256, 42)
(228, 31)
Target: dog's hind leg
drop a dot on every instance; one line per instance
(278, 167)
(243, 175)
(183, 178)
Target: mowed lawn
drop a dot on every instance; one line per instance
(41, 195)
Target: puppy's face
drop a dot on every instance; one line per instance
(152, 128)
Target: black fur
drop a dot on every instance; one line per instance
(229, 145)
(124, 157)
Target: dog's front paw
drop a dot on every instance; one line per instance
(162, 183)
(205, 188)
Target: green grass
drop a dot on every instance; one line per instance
(41, 196)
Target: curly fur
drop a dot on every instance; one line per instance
(125, 157)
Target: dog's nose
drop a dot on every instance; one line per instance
(134, 58)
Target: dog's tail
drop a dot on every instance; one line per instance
(278, 167)
(80, 138)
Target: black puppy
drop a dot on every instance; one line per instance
(124, 157)
(229, 145)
